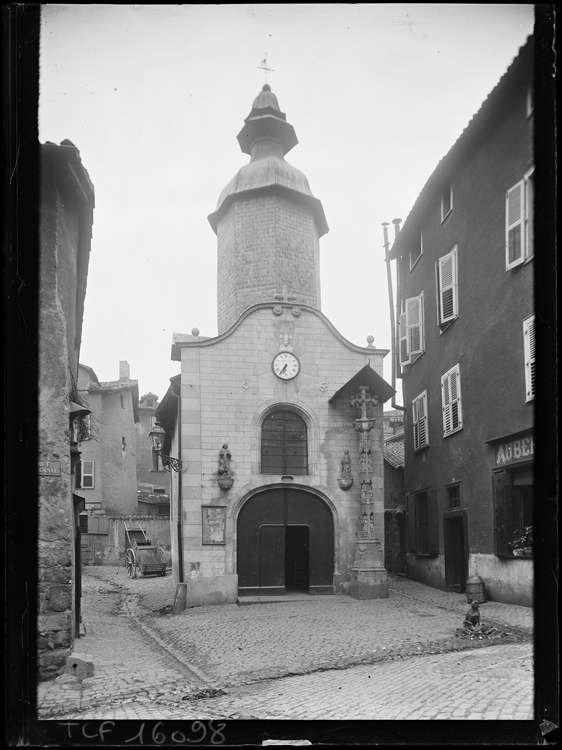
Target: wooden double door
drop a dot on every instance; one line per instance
(285, 542)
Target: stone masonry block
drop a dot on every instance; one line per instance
(80, 665)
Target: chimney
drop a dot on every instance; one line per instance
(124, 371)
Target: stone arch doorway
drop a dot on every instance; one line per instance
(285, 542)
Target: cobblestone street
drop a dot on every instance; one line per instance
(315, 658)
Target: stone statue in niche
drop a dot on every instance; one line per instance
(345, 481)
(224, 460)
(225, 479)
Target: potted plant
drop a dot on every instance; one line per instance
(522, 544)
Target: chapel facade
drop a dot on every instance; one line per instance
(277, 420)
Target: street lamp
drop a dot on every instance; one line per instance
(157, 435)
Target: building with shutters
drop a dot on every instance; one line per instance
(464, 264)
(273, 493)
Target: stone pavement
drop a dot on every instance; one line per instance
(150, 664)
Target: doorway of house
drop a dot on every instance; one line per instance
(455, 562)
(296, 558)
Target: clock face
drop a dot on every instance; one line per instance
(285, 365)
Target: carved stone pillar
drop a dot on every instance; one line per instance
(368, 578)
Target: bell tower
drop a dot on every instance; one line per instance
(268, 223)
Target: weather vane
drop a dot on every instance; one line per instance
(263, 66)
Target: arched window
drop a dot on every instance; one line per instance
(284, 448)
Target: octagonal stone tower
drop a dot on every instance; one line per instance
(267, 221)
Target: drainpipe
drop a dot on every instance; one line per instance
(180, 506)
(394, 345)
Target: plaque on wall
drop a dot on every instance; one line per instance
(214, 524)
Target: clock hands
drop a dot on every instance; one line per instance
(283, 369)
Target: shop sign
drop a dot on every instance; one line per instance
(515, 451)
(49, 468)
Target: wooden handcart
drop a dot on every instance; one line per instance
(142, 556)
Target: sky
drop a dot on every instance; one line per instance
(154, 97)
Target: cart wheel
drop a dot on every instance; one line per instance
(131, 567)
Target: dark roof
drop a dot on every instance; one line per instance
(490, 113)
(367, 376)
(394, 453)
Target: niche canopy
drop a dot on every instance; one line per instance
(367, 376)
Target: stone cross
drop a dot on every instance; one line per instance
(363, 400)
(285, 296)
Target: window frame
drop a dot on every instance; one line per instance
(287, 469)
(525, 220)
(406, 330)
(448, 407)
(509, 507)
(421, 397)
(449, 189)
(414, 261)
(529, 349)
(84, 474)
(426, 545)
(451, 256)
(448, 488)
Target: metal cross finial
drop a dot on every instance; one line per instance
(263, 66)
(285, 296)
(363, 400)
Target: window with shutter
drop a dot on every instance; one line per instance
(403, 336)
(411, 511)
(432, 523)
(411, 331)
(414, 323)
(284, 444)
(447, 283)
(529, 348)
(514, 225)
(87, 475)
(422, 537)
(419, 419)
(451, 401)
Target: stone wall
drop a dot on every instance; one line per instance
(65, 230)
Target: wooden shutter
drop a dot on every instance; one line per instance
(419, 414)
(432, 523)
(411, 511)
(448, 287)
(403, 336)
(514, 207)
(451, 400)
(414, 324)
(529, 213)
(505, 511)
(529, 347)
